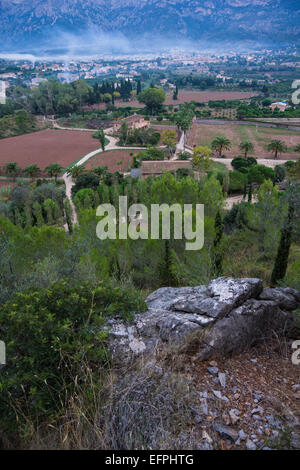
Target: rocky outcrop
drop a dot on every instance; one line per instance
(225, 316)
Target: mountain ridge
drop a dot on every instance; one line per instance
(24, 22)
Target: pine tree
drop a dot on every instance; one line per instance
(281, 261)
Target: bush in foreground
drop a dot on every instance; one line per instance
(55, 340)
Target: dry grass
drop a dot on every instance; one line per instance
(203, 134)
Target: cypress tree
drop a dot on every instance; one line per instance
(38, 214)
(281, 261)
(48, 208)
(18, 217)
(68, 212)
(96, 200)
(250, 193)
(168, 271)
(217, 254)
(28, 215)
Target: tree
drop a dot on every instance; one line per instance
(211, 195)
(250, 193)
(153, 98)
(102, 139)
(28, 216)
(168, 270)
(32, 170)
(184, 117)
(101, 171)
(68, 214)
(139, 87)
(123, 133)
(201, 158)
(38, 214)
(217, 254)
(277, 146)
(76, 170)
(281, 261)
(246, 147)
(12, 169)
(280, 173)
(169, 138)
(175, 94)
(221, 143)
(86, 180)
(83, 91)
(294, 170)
(54, 169)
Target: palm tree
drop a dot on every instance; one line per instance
(32, 170)
(12, 169)
(54, 170)
(101, 171)
(76, 170)
(246, 147)
(277, 146)
(221, 143)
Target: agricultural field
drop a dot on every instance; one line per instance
(88, 121)
(47, 146)
(206, 96)
(115, 160)
(186, 96)
(203, 134)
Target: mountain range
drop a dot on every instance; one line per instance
(128, 24)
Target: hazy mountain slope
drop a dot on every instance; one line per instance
(26, 21)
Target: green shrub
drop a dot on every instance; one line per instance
(241, 162)
(84, 198)
(86, 180)
(259, 173)
(54, 338)
(280, 172)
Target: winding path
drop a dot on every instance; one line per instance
(112, 145)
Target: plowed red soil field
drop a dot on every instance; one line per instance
(115, 160)
(47, 146)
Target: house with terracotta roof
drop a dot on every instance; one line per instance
(135, 121)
